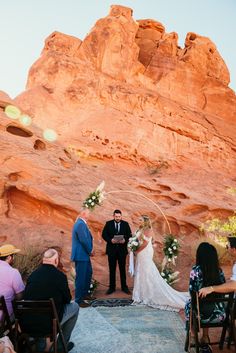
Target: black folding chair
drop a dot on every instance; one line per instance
(232, 328)
(196, 324)
(28, 331)
(5, 322)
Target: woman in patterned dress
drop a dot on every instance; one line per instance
(206, 272)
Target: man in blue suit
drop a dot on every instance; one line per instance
(82, 247)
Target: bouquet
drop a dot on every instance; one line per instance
(133, 243)
(95, 198)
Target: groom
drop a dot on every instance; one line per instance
(117, 233)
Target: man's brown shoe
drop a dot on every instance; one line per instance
(83, 304)
(87, 297)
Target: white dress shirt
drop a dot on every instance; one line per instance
(233, 277)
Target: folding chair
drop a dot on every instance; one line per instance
(5, 322)
(196, 324)
(28, 330)
(232, 328)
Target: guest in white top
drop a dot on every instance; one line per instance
(232, 242)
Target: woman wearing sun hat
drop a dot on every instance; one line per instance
(11, 283)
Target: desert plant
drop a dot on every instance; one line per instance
(156, 169)
(231, 191)
(215, 225)
(28, 260)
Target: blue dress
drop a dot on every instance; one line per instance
(215, 313)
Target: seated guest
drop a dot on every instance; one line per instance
(11, 283)
(48, 282)
(229, 286)
(206, 272)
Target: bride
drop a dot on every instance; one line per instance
(149, 286)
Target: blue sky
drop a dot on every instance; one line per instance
(25, 24)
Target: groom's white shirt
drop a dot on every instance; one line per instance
(118, 225)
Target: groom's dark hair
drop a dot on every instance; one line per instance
(117, 211)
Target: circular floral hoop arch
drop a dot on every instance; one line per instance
(145, 197)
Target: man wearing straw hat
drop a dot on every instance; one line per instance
(11, 283)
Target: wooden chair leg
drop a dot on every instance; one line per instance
(62, 339)
(54, 336)
(16, 333)
(195, 329)
(232, 334)
(187, 339)
(222, 337)
(23, 344)
(64, 343)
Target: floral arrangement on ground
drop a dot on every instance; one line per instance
(169, 275)
(93, 286)
(171, 248)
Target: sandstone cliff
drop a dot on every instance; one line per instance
(132, 108)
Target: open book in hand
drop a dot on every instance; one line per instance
(118, 237)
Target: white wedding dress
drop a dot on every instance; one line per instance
(149, 286)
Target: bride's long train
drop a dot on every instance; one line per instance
(149, 286)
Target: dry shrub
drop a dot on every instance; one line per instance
(223, 254)
(28, 260)
(157, 168)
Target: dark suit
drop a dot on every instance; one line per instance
(44, 283)
(116, 252)
(82, 246)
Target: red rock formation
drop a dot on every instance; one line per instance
(130, 107)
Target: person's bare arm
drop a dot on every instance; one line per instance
(229, 286)
(144, 244)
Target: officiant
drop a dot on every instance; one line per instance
(117, 233)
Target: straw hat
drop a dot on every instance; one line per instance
(8, 249)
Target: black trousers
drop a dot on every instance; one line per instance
(112, 261)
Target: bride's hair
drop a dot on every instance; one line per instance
(146, 222)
